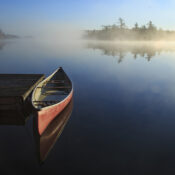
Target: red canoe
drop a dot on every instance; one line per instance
(50, 97)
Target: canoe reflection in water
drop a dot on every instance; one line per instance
(46, 141)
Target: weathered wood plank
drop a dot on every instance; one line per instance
(15, 88)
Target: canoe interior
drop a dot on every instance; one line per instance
(52, 90)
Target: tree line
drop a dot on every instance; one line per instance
(120, 31)
(2, 35)
(6, 36)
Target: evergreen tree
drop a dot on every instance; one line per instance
(136, 27)
(121, 23)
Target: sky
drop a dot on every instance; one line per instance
(27, 17)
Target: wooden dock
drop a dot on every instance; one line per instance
(15, 88)
(13, 117)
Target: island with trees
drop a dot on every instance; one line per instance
(120, 31)
(6, 36)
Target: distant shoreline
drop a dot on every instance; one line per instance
(7, 36)
(120, 32)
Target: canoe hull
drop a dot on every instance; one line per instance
(46, 115)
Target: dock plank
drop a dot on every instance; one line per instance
(15, 88)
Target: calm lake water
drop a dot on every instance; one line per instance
(123, 118)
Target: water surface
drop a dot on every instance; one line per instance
(123, 118)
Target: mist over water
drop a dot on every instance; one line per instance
(120, 57)
(124, 94)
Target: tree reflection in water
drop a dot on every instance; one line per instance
(147, 50)
(2, 44)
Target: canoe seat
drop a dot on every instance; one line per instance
(55, 82)
(45, 103)
(59, 87)
(50, 93)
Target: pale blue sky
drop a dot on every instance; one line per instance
(32, 16)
